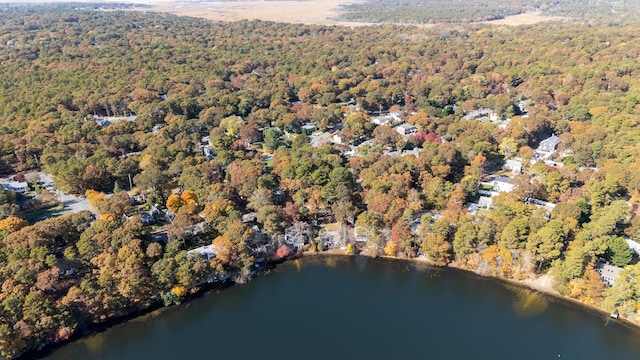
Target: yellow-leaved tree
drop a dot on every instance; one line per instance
(12, 224)
(174, 202)
(179, 291)
(390, 248)
(189, 197)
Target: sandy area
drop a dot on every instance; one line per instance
(523, 19)
(318, 12)
(302, 12)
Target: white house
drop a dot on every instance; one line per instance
(338, 139)
(204, 251)
(382, 120)
(633, 245)
(406, 129)
(514, 165)
(485, 202)
(19, 187)
(503, 184)
(608, 273)
(549, 144)
(297, 235)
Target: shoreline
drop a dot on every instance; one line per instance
(529, 284)
(268, 266)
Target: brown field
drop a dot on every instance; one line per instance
(303, 12)
(318, 12)
(523, 19)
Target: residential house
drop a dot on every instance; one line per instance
(415, 152)
(318, 140)
(207, 252)
(19, 187)
(484, 115)
(338, 139)
(633, 245)
(250, 217)
(309, 128)
(485, 202)
(549, 144)
(549, 206)
(503, 184)
(297, 235)
(514, 165)
(361, 234)
(608, 273)
(406, 129)
(329, 242)
(382, 120)
(156, 129)
(151, 216)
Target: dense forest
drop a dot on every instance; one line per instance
(445, 11)
(250, 87)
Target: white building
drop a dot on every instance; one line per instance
(514, 165)
(485, 202)
(608, 273)
(503, 184)
(633, 245)
(19, 187)
(406, 129)
(549, 144)
(204, 251)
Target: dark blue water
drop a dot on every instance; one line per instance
(347, 308)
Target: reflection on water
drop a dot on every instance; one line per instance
(530, 303)
(95, 343)
(331, 261)
(364, 308)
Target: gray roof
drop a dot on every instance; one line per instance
(553, 140)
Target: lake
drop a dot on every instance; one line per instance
(324, 307)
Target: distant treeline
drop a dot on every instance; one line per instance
(446, 11)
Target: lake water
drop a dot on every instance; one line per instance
(358, 308)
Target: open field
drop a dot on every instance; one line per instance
(319, 12)
(523, 19)
(303, 12)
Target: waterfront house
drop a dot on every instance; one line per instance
(297, 235)
(362, 234)
(608, 273)
(205, 252)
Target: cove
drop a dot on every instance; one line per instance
(324, 307)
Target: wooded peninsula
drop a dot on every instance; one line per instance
(207, 149)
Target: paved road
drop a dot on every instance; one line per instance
(71, 203)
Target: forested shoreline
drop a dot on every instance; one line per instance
(209, 125)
